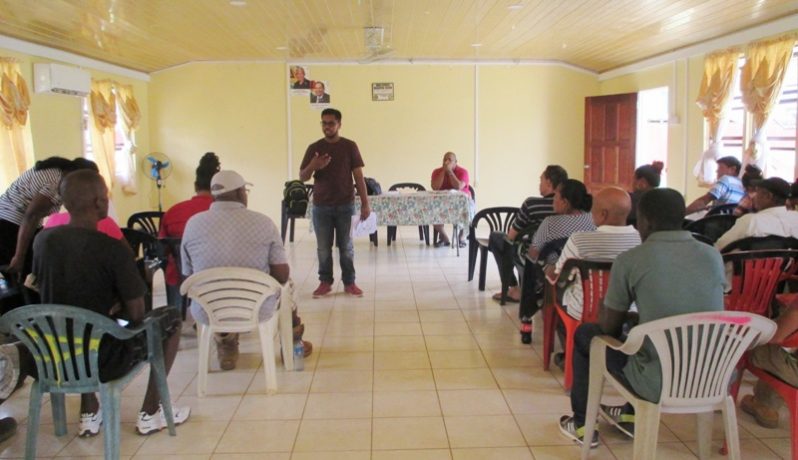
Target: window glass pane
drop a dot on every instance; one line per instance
(733, 131)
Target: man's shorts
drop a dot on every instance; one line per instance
(118, 357)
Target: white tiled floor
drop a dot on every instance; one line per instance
(424, 366)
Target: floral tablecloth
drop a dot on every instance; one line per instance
(419, 208)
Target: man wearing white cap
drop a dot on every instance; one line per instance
(230, 235)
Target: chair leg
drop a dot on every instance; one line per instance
(568, 378)
(283, 222)
(204, 352)
(266, 330)
(704, 422)
(594, 391)
(549, 320)
(646, 429)
(33, 420)
(391, 231)
(421, 233)
(292, 220)
(483, 266)
(426, 234)
(472, 258)
(110, 397)
(58, 404)
(730, 422)
(286, 332)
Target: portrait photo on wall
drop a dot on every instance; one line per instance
(298, 79)
(319, 93)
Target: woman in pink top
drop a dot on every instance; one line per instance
(449, 177)
(107, 225)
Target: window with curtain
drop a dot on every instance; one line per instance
(782, 133)
(16, 145)
(121, 132)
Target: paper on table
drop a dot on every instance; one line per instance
(364, 228)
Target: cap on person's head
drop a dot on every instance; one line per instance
(775, 185)
(227, 181)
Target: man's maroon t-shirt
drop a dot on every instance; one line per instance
(333, 185)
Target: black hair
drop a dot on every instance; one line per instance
(208, 166)
(650, 173)
(663, 208)
(752, 173)
(576, 194)
(731, 162)
(334, 112)
(556, 174)
(66, 166)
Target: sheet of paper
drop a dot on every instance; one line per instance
(365, 227)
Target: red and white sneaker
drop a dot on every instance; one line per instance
(323, 289)
(353, 290)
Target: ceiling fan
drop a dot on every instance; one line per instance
(374, 41)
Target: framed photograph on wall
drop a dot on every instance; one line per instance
(382, 92)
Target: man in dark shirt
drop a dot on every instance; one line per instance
(76, 265)
(332, 162)
(532, 211)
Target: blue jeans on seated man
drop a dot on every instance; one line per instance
(329, 221)
(581, 372)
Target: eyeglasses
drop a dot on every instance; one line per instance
(329, 123)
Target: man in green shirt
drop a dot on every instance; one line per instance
(670, 273)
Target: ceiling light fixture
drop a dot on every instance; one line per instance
(476, 45)
(281, 48)
(238, 2)
(515, 7)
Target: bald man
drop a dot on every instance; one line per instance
(74, 264)
(611, 207)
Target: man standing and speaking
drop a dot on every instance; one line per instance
(333, 161)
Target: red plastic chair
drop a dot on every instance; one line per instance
(595, 277)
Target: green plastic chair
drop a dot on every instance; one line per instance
(54, 335)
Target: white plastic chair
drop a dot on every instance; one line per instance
(698, 353)
(232, 297)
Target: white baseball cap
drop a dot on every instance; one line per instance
(227, 181)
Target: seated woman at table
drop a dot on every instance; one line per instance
(449, 176)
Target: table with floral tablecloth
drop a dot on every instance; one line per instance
(419, 208)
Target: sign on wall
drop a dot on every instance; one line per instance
(381, 92)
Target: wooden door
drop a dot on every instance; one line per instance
(610, 137)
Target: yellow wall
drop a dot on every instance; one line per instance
(56, 123)
(528, 116)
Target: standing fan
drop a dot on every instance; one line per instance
(158, 167)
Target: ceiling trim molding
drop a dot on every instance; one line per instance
(21, 46)
(399, 62)
(769, 29)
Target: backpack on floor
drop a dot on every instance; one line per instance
(373, 187)
(295, 197)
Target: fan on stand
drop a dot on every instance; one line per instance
(159, 167)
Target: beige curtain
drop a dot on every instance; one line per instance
(760, 84)
(102, 110)
(713, 98)
(16, 153)
(131, 115)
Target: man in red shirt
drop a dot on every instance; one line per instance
(174, 220)
(449, 177)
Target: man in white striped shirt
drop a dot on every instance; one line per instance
(612, 237)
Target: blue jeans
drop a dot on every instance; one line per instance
(329, 221)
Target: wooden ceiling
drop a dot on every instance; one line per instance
(599, 35)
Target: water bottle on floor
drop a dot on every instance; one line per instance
(299, 355)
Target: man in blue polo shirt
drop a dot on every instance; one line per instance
(727, 190)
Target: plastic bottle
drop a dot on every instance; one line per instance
(299, 355)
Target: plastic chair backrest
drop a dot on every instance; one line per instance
(64, 342)
(171, 246)
(712, 227)
(472, 192)
(552, 247)
(722, 209)
(231, 296)
(755, 277)
(699, 351)
(595, 278)
(407, 185)
(143, 244)
(756, 243)
(498, 219)
(148, 222)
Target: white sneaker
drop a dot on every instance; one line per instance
(148, 424)
(90, 424)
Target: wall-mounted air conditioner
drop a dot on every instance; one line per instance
(61, 79)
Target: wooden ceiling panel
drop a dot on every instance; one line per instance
(150, 35)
